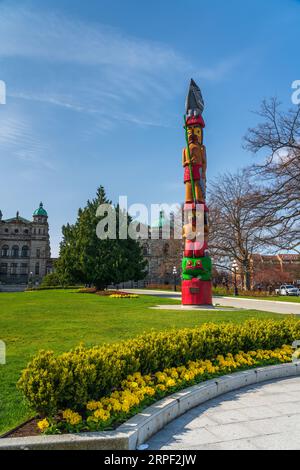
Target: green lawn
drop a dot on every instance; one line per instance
(59, 320)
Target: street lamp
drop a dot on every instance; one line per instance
(175, 278)
(30, 280)
(235, 268)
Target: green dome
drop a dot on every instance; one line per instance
(163, 220)
(41, 211)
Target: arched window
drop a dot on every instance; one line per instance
(25, 252)
(5, 251)
(37, 269)
(15, 252)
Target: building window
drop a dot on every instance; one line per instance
(3, 268)
(26, 231)
(146, 250)
(4, 251)
(166, 249)
(16, 231)
(13, 269)
(37, 269)
(25, 252)
(38, 253)
(15, 252)
(6, 230)
(24, 269)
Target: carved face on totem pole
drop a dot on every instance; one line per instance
(195, 135)
(197, 269)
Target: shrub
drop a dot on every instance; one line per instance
(72, 379)
(220, 290)
(138, 391)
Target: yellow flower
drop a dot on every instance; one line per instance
(161, 377)
(102, 415)
(125, 407)
(72, 418)
(149, 391)
(170, 383)
(161, 387)
(93, 405)
(115, 404)
(43, 425)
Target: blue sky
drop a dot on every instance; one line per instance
(96, 90)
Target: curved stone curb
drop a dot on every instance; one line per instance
(141, 427)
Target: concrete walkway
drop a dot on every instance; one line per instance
(259, 417)
(285, 308)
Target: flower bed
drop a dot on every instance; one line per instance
(138, 391)
(108, 293)
(124, 296)
(71, 380)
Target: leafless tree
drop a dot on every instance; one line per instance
(239, 220)
(277, 137)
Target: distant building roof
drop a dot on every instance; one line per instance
(17, 219)
(40, 211)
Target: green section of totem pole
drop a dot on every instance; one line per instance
(191, 270)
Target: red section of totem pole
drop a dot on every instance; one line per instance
(196, 121)
(196, 292)
(191, 206)
(195, 249)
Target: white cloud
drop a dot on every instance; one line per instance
(106, 72)
(18, 141)
(41, 35)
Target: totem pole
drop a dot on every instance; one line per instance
(196, 264)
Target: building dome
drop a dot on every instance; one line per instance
(161, 222)
(40, 211)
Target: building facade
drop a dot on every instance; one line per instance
(163, 252)
(25, 256)
(273, 270)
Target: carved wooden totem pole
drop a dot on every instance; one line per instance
(196, 264)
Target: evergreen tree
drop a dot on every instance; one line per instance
(84, 258)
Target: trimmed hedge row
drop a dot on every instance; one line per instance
(51, 383)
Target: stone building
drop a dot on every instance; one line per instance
(163, 252)
(24, 248)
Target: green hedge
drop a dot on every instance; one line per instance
(70, 380)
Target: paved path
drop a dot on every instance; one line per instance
(259, 417)
(286, 308)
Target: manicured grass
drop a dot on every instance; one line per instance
(59, 320)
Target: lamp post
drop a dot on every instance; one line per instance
(235, 268)
(175, 278)
(30, 280)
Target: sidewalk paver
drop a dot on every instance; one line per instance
(264, 416)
